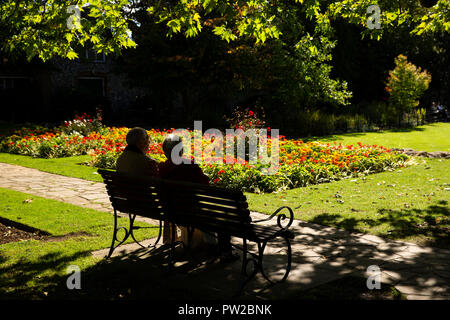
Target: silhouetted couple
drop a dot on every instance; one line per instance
(134, 161)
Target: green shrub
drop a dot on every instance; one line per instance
(406, 84)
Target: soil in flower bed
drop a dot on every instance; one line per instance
(13, 234)
(11, 231)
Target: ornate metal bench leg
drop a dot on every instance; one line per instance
(244, 278)
(111, 249)
(127, 234)
(116, 229)
(132, 217)
(289, 262)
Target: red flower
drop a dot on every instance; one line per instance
(221, 171)
(216, 180)
(250, 113)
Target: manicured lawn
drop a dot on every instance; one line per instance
(411, 204)
(28, 268)
(69, 166)
(430, 137)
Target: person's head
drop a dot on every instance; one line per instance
(138, 137)
(169, 143)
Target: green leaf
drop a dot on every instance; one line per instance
(69, 37)
(95, 39)
(72, 55)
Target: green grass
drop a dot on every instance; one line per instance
(29, 268)
(430, 137)
(410, 204)
(70, 166)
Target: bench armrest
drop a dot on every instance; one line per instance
(280, 217)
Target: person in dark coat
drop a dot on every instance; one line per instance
(189, 172)
(133, 159)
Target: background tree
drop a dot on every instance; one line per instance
(406, 83)
(282, 54)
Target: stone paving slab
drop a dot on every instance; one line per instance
(319, 253)
(83, 193)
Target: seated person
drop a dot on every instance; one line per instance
(182, 172)
(133, 159)
(190, 173)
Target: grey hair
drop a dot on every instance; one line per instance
(169, 143)
(136, 135)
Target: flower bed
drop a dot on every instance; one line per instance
(300, 163)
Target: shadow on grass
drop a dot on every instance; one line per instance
(145, 274)
(15, 278)
(22, 226)
(325, 262)
(431, 224)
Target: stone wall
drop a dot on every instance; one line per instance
(65, 74)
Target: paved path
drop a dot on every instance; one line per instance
(320, 254)
(83, 193)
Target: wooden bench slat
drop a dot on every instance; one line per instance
(201, 208)
(135, 201)
(205, 190)
(233, 229)
(179, 203)
(142, 209)
(238, 204)
(137, 187)
(207, 218)
(127, 194)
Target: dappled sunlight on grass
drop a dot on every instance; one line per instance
(408, 204)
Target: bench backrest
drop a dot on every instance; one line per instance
(132, 194)
(185, 203)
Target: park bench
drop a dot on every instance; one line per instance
(208, 208)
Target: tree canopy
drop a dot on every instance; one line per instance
(48, 28)
(292, 56)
